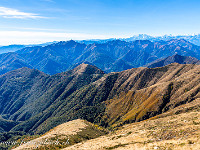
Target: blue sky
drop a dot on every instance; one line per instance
(38, 21)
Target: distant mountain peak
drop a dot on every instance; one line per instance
(71, 41)
(87, 69)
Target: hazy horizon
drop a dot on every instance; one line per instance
(68, 39)
(41, 21)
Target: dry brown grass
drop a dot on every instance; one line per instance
(64, 135)
(63, 131)
(180, 131)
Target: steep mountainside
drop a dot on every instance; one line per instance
(173, 59)
(20, 87)
(25, 92)
(41, 102)
(112, 56)
(6, 125)
(53, 58)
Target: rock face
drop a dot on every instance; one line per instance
(111, 56)
(37, 102)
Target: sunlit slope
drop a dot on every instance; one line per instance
(177, 132)
(65, 135)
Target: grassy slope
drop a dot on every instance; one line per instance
(64, 135)
(177, 131)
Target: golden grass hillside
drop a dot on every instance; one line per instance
(175, 132)
(177, 129)
(65, 135)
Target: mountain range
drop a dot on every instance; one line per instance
(195, 39)
(34, 102)
(112, 56)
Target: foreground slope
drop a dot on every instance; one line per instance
(177, 131)
(64, 135)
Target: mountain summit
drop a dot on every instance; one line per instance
(87, 69)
